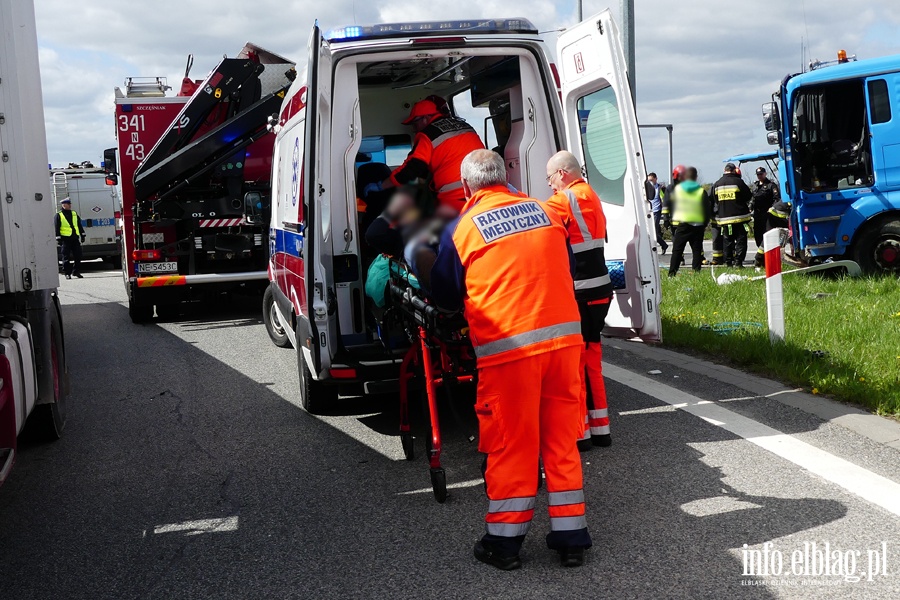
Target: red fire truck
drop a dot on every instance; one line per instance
(195, 174)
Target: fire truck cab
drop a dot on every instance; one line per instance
(340, 128)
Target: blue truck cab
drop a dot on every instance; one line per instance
(838, 131)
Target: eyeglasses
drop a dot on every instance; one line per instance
(556, 172)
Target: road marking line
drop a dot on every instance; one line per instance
(870, 486)
(201, 526)
(451, 486)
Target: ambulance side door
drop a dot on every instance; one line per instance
(320, 337)
(602, 131)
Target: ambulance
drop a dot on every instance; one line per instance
(340, 128)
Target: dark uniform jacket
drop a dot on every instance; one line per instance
(731, 196)
(765, 194)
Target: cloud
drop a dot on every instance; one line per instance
(706, 67)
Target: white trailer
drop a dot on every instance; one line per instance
(33, 377)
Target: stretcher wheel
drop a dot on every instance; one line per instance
(439, 484)
(409, 451)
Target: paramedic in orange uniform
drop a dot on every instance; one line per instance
(507, 262)
(441, 142)
(580, 210)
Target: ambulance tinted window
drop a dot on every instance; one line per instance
(879, 101)
(603, 144)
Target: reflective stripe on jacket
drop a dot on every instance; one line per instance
(581, 212)
(438, 151)
(506, 260)
(732, 197)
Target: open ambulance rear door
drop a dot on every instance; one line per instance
(602, 131)
(321, 337)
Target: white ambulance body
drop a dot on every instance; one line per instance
(359, 85)
(97, 204)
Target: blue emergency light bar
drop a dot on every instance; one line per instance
(429, 28)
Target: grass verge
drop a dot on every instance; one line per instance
(842, 335)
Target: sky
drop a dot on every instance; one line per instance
(705, 67)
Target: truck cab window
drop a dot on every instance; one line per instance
(603, 143)
(879, 101)
(831, 138)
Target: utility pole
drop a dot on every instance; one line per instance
(580, 11)
(627, 7)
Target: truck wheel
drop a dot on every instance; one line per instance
(877, 251)
(274, 327)
(315, 397)
(47, 420)
(139, 313)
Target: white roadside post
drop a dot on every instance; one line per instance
(774, 290)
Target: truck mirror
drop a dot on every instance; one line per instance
(111, 166)
(773, 137)
(770, 116)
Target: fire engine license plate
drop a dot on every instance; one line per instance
(170, 266)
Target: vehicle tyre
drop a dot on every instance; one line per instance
(315, 397)
(877, 250)
(275, 329)
(139, 313)
(47, 420)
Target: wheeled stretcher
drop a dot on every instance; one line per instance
(441, 354)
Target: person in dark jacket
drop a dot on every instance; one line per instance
(765, 195)
(732, 200)
(69, 235)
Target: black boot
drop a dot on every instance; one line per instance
(490, 557)
(603, 441)
(571, 557)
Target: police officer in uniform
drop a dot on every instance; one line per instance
(765, 194)
(70, 235)
(732, 201)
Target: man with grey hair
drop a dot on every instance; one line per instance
(506, 261)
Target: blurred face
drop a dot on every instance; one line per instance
(761, 175)
(66, 206)
(652, 179)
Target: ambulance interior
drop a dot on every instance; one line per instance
(501, 92)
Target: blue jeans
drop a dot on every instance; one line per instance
(657, 221)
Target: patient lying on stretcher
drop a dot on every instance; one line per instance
(406, 232)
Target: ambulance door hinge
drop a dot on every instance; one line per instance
(9, 197)
(2, 118)
(600, 27)
(5, 156)
(321, 189)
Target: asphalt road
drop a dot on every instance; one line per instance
(188, 470)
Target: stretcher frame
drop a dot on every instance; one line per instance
(441, 354)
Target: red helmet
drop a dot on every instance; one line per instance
(678, 172)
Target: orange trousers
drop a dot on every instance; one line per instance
(529, 409)
(594, 414)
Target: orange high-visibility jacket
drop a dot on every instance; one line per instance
(506, 259)
(580, 209)
(438, 150)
